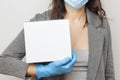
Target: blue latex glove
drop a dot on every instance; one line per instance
(56, 67)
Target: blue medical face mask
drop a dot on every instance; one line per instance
(76, 4)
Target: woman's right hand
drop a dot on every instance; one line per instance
(56, 67)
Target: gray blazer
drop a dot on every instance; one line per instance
(100, 65)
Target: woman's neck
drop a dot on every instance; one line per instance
(74, 14)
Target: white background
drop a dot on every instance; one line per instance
(13, 13)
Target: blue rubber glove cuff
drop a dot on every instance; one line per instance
(38, 70)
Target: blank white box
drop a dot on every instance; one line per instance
(47, 40)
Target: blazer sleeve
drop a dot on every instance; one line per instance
(109, 69)
(10, 58)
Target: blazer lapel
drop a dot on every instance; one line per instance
(95, 44)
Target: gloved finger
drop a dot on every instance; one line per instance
(70, 64)
(62, 62)
(73, 59)
(73, 54)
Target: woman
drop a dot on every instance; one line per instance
(91, 44)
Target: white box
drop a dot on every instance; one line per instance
(47, 40)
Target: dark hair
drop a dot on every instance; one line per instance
(58, 9)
